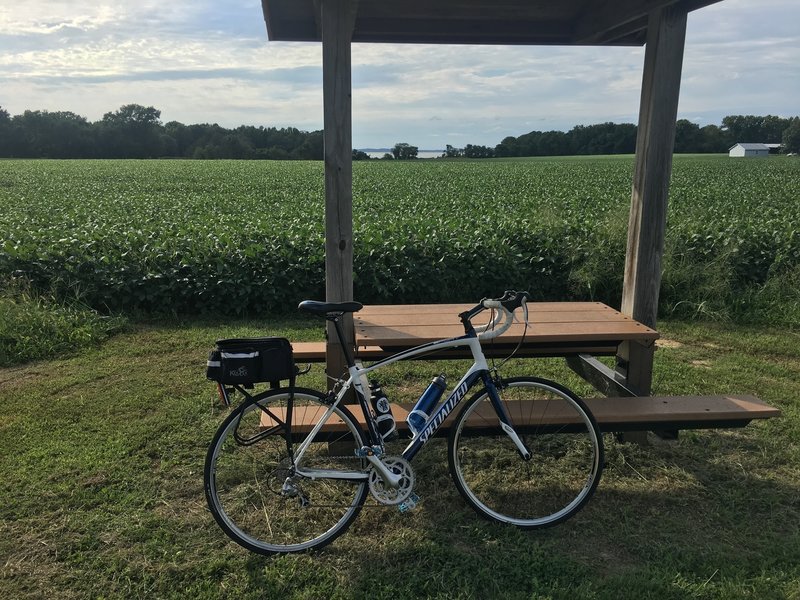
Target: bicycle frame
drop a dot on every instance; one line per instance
(357, 376)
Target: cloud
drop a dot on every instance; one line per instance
(206, 61)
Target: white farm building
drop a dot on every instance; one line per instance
(741, 149)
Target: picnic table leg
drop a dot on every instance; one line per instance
(635, 364)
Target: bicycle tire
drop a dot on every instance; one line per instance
(246, 479)
(562, 473)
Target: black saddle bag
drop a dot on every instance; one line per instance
(245, 361)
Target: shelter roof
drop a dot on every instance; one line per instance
(507, 22)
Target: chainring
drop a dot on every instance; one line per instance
(389, 495)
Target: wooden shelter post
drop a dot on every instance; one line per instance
(337, 19)
(666, 34)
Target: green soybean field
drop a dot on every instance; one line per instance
(247, 237)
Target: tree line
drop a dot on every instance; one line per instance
(620, 138)
(136, 131)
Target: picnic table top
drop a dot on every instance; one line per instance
(557, 325)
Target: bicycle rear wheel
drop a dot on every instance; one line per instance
(565, 443)
(251, 485)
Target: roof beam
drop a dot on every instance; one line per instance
(399, 29)
(614, 18)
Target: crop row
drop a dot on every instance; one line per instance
(233, 237)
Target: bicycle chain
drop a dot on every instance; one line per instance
(379, 504)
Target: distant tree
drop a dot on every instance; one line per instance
(312, 147)
(753, 128)
(451, 152)
(791, 137)
(43, 134)
(387, 156)
(5, 133)
(508, 147)
(473, 151)
(233, 145)
(360, 155)
(182, 138)
(133, 131)
(714, 139)
(404, 151)
(687, 137)
(772, 129)
(554, 143)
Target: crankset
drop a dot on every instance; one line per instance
(385, 493)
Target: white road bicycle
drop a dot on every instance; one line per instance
(291, 468)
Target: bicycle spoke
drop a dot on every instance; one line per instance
(255, 494)
(560, 476)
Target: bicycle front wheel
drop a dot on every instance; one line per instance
(251, 480)
(566, 454)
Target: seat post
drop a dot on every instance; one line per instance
(336, 319)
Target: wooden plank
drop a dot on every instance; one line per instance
(314, 352)
(308, 351)
(612, 414)
(602, 378)
(544, 332)
(454, 309)
(305, 352)
(601, 18)
(305, 417)
(682, 411)
(389, 320)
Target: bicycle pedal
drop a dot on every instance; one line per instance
(365, 451)
(410, 503)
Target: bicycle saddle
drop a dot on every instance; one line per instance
(324, 308)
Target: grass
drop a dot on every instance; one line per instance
(102, 487)
(34, 326)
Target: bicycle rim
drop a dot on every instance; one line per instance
(566, 448)
(252, 489)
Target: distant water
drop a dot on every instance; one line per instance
(420, 154)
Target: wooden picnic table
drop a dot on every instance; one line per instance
(554, 329)
(575, 330)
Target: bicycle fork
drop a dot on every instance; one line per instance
(505, 420)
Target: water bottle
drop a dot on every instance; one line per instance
(383, 412)
(419, 416)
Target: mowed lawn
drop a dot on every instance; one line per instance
(102, 492)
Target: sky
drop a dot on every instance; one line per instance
(204, 61)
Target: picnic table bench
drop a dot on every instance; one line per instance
(577, 331)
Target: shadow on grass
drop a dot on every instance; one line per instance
(672, 529)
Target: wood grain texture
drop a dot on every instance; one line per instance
(654, 145)
(337, 19)
(555, 329)
(696, 412)
(548, 322)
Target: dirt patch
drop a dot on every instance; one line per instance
(703, 364)
(664, 343)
